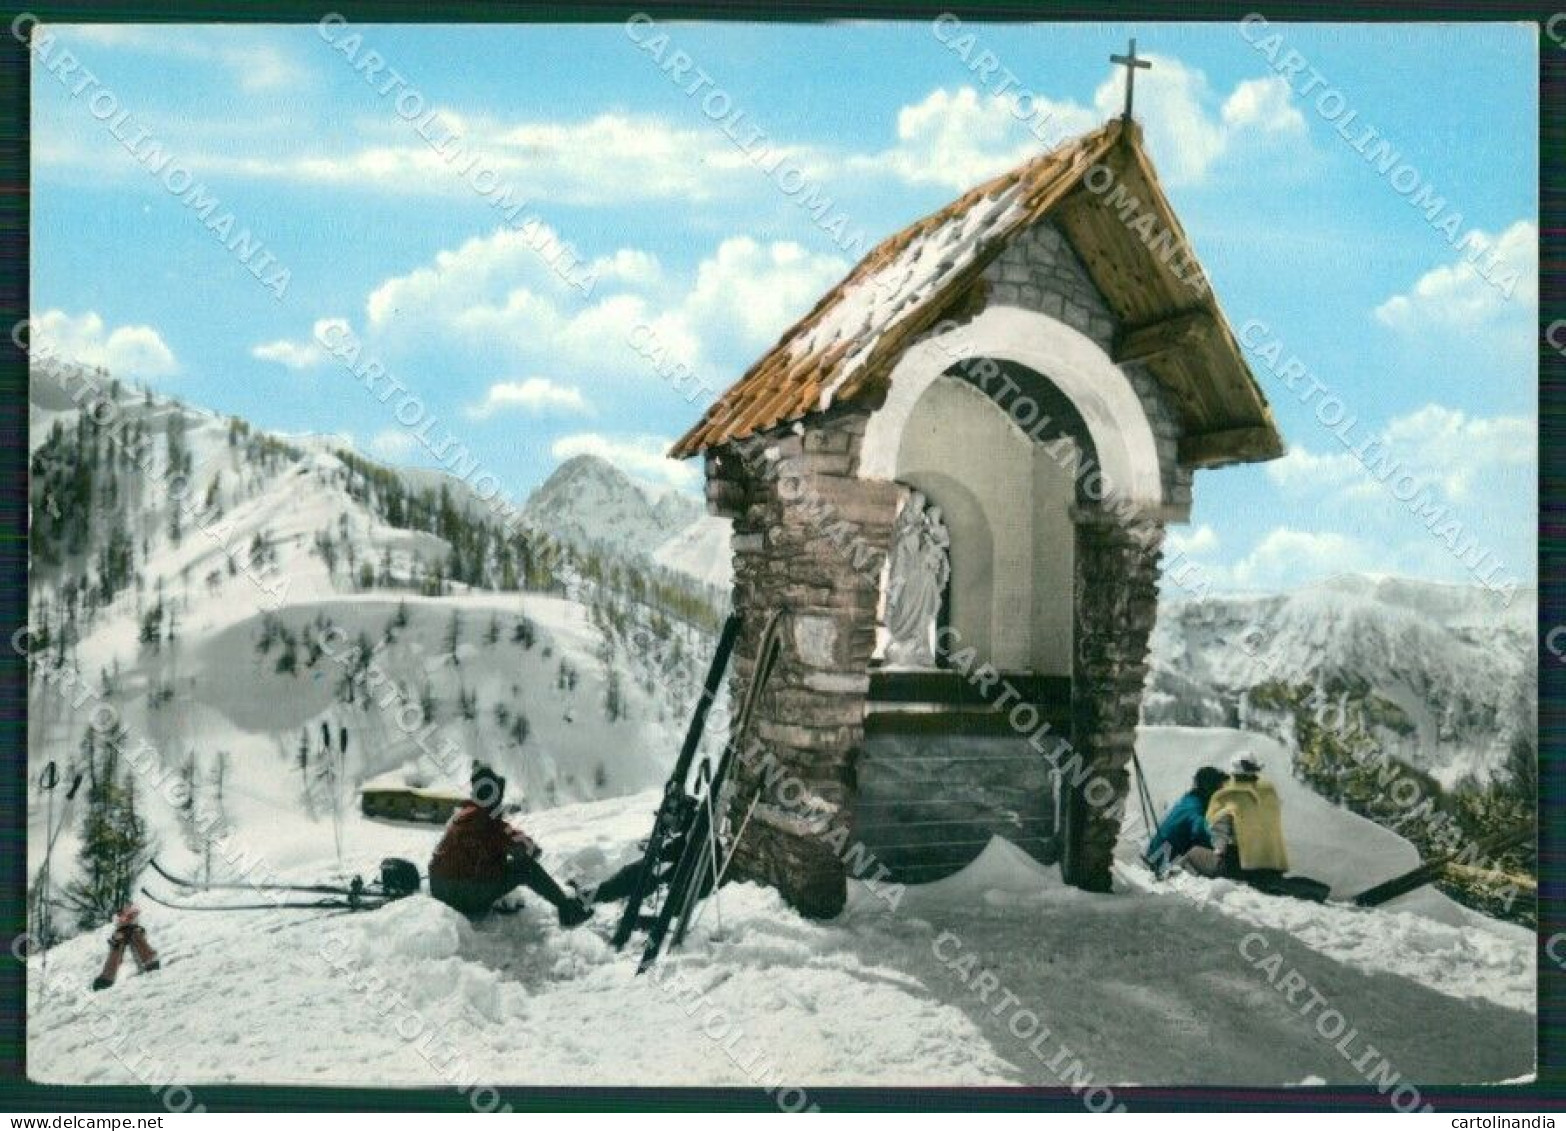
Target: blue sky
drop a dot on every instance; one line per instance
(681, 233)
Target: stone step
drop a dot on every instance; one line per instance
(972, 721)
(955, 689)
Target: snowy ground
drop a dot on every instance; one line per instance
(1156, 984)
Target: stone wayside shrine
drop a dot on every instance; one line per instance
(954, 474)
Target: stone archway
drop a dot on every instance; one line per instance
(1097, 389)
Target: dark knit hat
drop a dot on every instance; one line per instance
(488, 786)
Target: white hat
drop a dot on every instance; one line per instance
(1244, 764)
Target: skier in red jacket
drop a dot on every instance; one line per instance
(481, 857)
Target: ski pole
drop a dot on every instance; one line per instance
(50, 778)
(712, 843)
(46, 872)
(1144, 797)
(728, 859)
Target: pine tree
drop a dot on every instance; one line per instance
(151, 633)
(524, 633)
(614, 697)
(115, 845)
(288, 657)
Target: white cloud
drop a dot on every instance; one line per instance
(605, 160)
(484, 270)
(1193, 541)
(636, 455)
(1300, 468)
(136, 352)
(256, 66)
(1187, 127)
(628, 265)
(1455, 449)
(393, 443)
(951, 137)
(535, 395)
(288, 354)
(959, 137)
(494, 292)
(1287, 557)
(752, 292)
(1458, 298)
(299, 355)
(1173, 107)
(1265, 104)
(1440, 446)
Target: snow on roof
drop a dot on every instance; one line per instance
(840, 351)
(914, 274)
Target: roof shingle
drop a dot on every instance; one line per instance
(842, 349)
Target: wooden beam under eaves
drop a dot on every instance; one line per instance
(1150, 339)
(1252, 444)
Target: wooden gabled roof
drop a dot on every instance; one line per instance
(843, 351)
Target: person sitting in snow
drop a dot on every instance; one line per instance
(1245, 822)
(1184, 827)
(482, 857)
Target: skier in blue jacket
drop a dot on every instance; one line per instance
(1184, 827)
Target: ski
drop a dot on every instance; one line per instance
(1430, 870)
(674, 812)
(690, 881)
(299, 905)
(352, 890)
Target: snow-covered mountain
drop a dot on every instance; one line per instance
(589, 501)
(701, 551)
(226, 593)
(1454, 664)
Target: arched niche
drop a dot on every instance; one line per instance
(1006, 499)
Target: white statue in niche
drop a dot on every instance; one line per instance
(917, 574)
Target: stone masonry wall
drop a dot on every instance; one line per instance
(1117, 601)
(811, 537)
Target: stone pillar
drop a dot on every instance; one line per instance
(1116, 602)
(810, 538)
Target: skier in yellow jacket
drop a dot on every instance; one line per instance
(1245, 821)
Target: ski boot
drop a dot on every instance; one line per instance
(574, 911)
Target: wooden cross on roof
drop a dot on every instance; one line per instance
(1132, 64)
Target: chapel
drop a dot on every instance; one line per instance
(954, 475)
